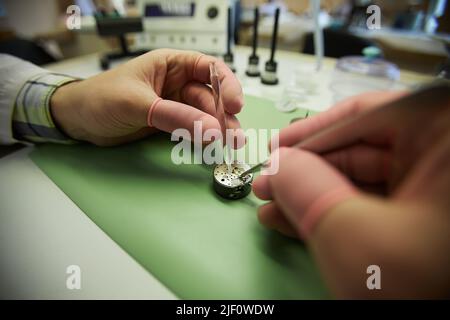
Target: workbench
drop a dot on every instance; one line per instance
(42, 231)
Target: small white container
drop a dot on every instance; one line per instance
(354, 75)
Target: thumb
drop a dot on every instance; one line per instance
(306, 187)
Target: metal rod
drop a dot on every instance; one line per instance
(273, 46)
(255, 31)
(229, 33)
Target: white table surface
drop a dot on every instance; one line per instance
(42, 231)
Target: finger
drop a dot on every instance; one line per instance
(270, 216)
(167, 115)
(306, 186)
(200, 96)
(302, 129)
(362, 162)
(261, 187)
(232, 95)
(237, 138)
(429, 179)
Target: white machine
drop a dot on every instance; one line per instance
(184, 24)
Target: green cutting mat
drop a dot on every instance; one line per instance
(169, 219)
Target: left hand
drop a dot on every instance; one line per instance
(113, 107)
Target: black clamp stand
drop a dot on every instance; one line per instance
(269, 76)
(253, 60)
(229, 57)
(115, 25)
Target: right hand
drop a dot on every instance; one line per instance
(402, 166)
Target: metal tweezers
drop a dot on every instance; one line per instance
(220, 110)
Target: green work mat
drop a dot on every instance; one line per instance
(169, 219)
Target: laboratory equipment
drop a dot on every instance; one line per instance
(115, 25)
(269, 75)
(228, 57)
(358, 74)
(436, 9)
(403, 113)
(184, 24)
(292, 98)
(318, 34)
(253, 60)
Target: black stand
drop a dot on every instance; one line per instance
(228, 57)
(253, 60)
(269, 76)
(119, 27)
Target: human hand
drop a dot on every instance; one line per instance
(114, 107)
(391, 163)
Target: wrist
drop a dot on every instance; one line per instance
(322, 206)
(65, 110)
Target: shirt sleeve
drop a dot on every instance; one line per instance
(25, 92)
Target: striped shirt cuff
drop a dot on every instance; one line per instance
(32, 120)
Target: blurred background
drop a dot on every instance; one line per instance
(414, 34)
